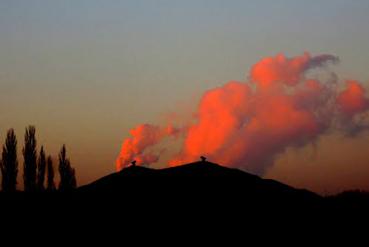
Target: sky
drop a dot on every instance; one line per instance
(85, 72)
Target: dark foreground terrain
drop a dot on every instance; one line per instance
(197, 191)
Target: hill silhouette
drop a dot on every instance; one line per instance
(201, 190)
(200, 182)
(211, 192)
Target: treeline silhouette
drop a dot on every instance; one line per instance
(37, 167)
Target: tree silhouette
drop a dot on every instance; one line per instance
(9, 163)
(50, 175)
(67, 173)
(30, 159)
(41, 168)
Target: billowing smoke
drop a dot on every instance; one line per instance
(352, 100)
(144, 136)
(284, 103)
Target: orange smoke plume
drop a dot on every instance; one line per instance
(277, 71)
(246, 124)
(352, 100)
(143, 137)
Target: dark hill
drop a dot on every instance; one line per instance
(199, 182)
(200, 191)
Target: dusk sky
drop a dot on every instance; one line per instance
(85, 72)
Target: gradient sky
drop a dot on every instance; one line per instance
(86, 71)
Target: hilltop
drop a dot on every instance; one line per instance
(200, 182)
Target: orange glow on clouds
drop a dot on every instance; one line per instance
(246, 124)
(352, 100)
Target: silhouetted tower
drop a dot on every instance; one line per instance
(203, 159)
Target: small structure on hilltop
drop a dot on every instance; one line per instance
(133, 163)
(203, 159)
